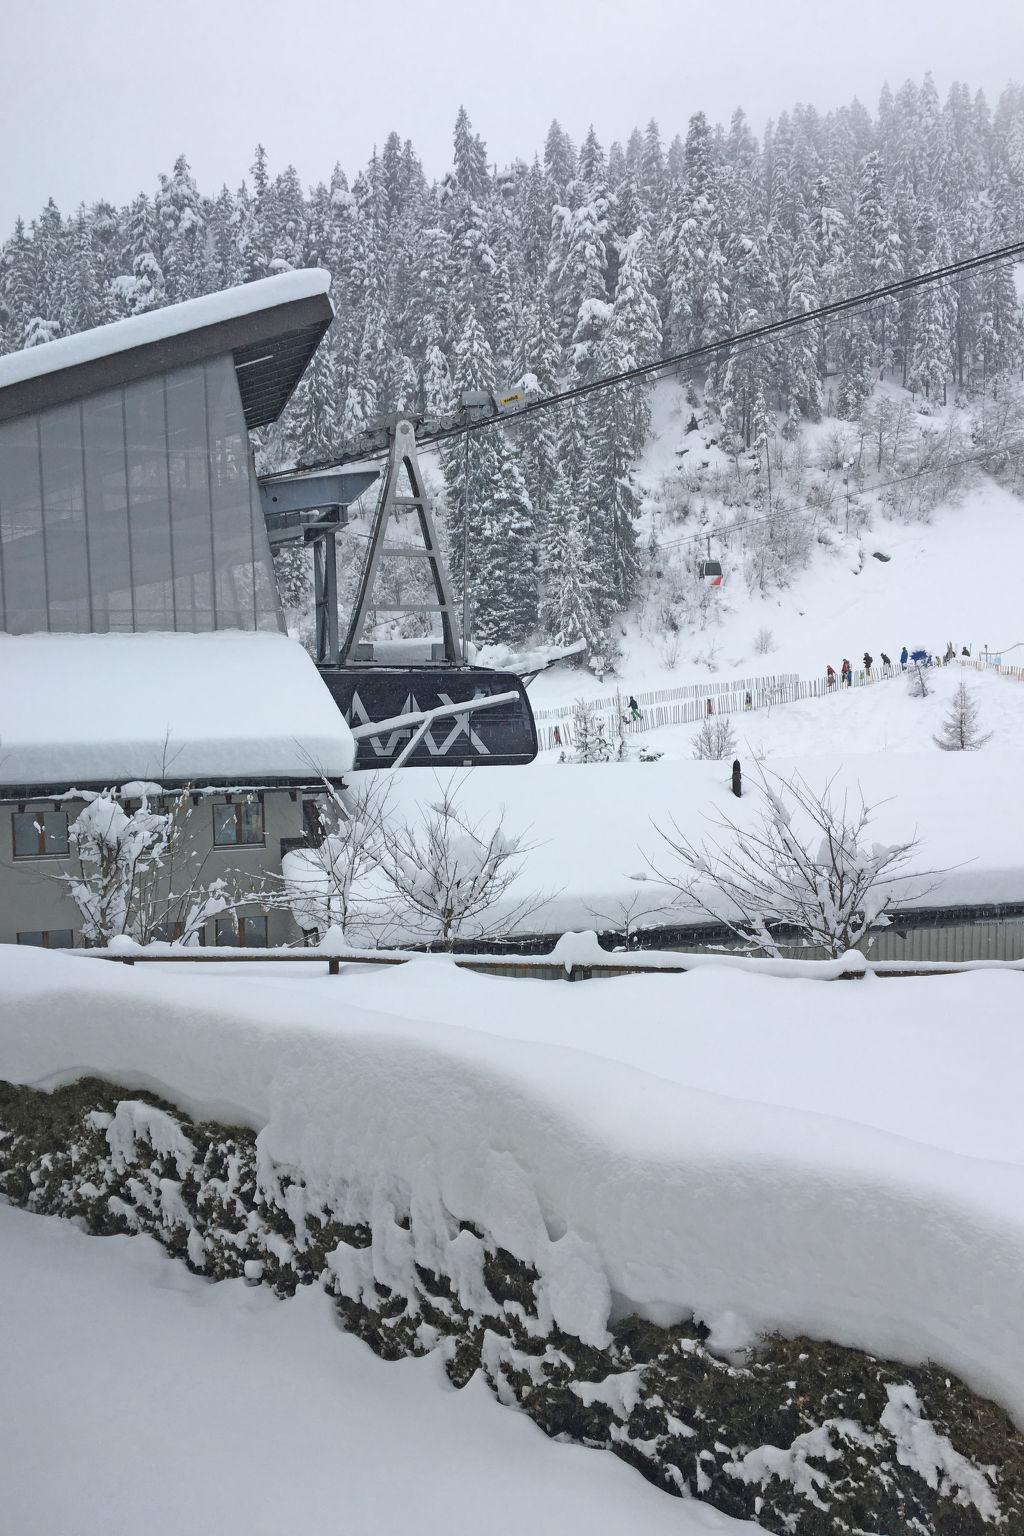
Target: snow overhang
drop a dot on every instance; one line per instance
(271, 328)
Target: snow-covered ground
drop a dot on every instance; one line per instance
(944, 580)
(149, 1399)
(594, 827)
(880, 718)
(766, 1179)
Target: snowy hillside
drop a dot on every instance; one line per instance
(940, 579)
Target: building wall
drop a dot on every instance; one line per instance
(135, 508)
(33, 899)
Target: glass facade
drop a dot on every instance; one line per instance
(135, 509)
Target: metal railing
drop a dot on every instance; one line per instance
(552, 967)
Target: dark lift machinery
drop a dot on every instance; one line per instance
(410, 703)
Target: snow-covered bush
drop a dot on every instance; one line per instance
(332, 884)
(764, 641)
(960, 729)
(820, 881)
(917, 681)
(715, 740)
(589, 735)
(137, 873)
(447, 877)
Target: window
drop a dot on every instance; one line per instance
(250, 932)
(49, 938)
(312, 822)
(237, 824)
(170, 931)
(40, 834)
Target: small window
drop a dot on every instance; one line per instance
(248, 932)
(226, 931)
(169, 932)
(313, 812)
(40, 834)
(238, 824)
(49, 938)
(254, 932)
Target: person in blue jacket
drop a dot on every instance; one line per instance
(903, 658)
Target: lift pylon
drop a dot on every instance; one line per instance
(394, 499)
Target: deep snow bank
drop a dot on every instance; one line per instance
(291, 1424)
(622, 1189)
(594, 826)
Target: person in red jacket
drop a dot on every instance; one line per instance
(830, 676)
(846, 672)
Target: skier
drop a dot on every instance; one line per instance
(950, 653)
(966, 651)
(886, 665)
(558, 736)
(830, 676)
(868, 659)
(846, 673)
(634, 711)
(903, 658)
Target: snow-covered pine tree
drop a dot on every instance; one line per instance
(589, 734)
(877, 260)
(567, 605)
(634, 332)
(961, 730)
(313, 414)
(182, 223)
(930, 350)
(503, 582)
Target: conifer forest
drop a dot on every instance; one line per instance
(581, 260)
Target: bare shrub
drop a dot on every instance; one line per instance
(715, 740)
(764, 641)
(827, 883)
(138, 873)
(452, 877)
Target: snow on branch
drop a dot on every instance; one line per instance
(452, 877)
(806, 868)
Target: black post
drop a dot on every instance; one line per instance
(737, 779)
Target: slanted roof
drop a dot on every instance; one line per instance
(91, 711)
(271, 328)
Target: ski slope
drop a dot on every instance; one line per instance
(953, 578)
(880, 718)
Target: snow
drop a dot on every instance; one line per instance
(877, 718)
(105, 709)
(593, 825)
(148, 1398)
(821, 1158)
(930, 1454)
(161, 324)
(940, 583)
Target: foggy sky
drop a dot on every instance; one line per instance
(97, 96)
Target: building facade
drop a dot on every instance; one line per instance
(136, 508)
(130, 514)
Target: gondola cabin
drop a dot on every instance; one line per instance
(710, 572)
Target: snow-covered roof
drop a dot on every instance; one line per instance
(227, 707)
(290, 307)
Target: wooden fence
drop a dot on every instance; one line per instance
(550, 968)
(695, 702)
